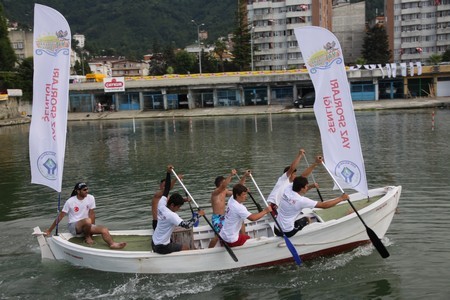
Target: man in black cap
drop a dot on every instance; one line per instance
(80, 208)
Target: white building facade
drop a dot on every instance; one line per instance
(21, 42)
(417, 29)
(80, 38)
(272, 25)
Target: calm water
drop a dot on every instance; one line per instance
(123, 168)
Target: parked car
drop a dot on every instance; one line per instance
(307, 100)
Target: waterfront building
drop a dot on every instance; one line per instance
(417, 28)
(272, 30)
(281, 87)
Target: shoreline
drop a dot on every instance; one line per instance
(241, 110)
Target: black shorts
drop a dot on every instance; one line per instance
(166, 249)
(298, 225)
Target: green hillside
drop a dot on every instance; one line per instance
(133, 27)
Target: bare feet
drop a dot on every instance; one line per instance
(89, 240)
(117, 245)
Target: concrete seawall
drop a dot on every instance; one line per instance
(255, 110)
(243, 110)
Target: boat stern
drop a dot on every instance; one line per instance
(46, 252)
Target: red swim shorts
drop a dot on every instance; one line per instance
(241, 240)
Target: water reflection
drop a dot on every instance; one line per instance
(123, 167)
(379, 288)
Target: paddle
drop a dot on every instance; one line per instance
(194, 214)
(258, 206)
(314, 180)
(286, 239)
(233, 256)
(372, 235)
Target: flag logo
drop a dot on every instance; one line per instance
(349, 172)
(323, 59)
(53, 44)
(47, 165)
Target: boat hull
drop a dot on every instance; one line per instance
(320, 238)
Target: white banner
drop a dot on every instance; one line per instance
(114, 84)
(411, 68)
(333, 107)
(419, 68)
(48, 129)
(403, 68)
(394, 69)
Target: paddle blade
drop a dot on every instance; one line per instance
(233, 256)
(291, 248)
(377, 243)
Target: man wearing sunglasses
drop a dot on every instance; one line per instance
(80, 208)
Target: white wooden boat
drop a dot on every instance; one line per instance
(332, 231)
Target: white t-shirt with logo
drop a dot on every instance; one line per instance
(167, 221)
(235, 213)
(290, 206)
(277, 192)
(78, 209)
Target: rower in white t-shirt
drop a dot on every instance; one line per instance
(233, 231)
(168, 219)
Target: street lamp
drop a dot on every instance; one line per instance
(199, 49)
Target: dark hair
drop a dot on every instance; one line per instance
(175, 199)
(299, 183)
(239, 189)
(78, 186)
(219, 180)
(287, 169)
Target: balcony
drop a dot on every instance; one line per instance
(443, 30)
(414, 10)
(410, 33)
(445, 19)
(411, 22)
(443, 7)
(443, 43)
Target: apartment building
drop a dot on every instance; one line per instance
(349, 26)
(21, 42)
(80, 38)
(127, 68)
(273, 21)
(417, 29)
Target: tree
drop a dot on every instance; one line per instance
(7, 56)
(220, 49)
(24, 78)
(241, 38)
(209, 63)
(361, 61)
(376, 46)
(81, 66)
(435, 59)
(157, 65)
(184, 62)
(446, 56)
(169, 56)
